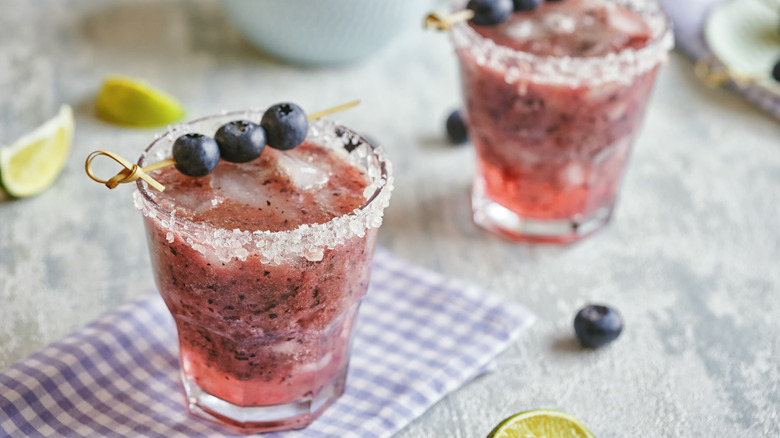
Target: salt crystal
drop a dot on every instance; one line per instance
(512, 75)
(356, 227)
(169, 237)
(314, 254)
(137, 202)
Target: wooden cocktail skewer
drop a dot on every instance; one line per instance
(445, 21)
(335, 109)
(132, 172)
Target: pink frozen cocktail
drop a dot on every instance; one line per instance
(263, 265)
(554, 98)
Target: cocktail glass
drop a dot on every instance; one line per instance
(553, 133)
(265, 318)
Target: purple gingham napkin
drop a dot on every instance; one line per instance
(418, 337)
(689, 17)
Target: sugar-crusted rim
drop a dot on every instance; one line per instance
(309, 240)
(573, 71)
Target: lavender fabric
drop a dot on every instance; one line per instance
(418, 337)
(689, 17)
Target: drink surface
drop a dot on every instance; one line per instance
(577, 28)
(278, 191)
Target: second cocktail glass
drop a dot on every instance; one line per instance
(265, 318)
(553, 132)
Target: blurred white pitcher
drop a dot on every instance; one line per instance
(317, 32)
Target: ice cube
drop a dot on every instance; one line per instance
(191, 204)
(327, 202)
(240, 184)
(520, 30)
(560, 23)
(617, 111)
(303, 174)
(324, 361)
(573, 175)
(291, 347)
(604, 91)
(627, 22)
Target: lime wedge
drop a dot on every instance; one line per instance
(33, 162)
(540, 423)
(131, 102)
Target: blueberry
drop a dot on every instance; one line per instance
(490, 12)
(597, 325)
(195, 154)
(457, 131)
(776, 72)
(527, 5)
(240, 141)
(285, 126)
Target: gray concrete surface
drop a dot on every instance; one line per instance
(691, 258)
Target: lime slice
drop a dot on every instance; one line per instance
(131, 102)
(34, 161)
(540, 423)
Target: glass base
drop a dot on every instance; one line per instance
(253, 419)
(498, 219)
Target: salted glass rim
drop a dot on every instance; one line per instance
(620, 66)
(326, 234)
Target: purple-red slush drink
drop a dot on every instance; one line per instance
(554, 98)
(263, 266)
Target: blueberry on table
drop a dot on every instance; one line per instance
(195, 154)
(285, 126)
(776, 72)
(527, 5)
(490, 12)
(240, 141)
(597, 325)
(457, 131)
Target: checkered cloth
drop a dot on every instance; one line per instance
(418, 337)
(689, 17)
